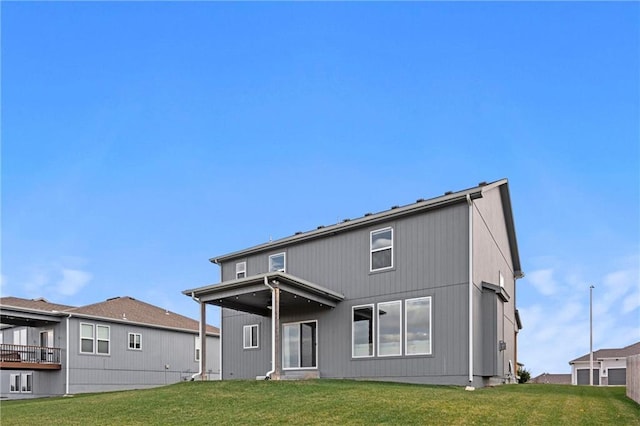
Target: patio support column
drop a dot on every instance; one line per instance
(277, 362)
(203, 341)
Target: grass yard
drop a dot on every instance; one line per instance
(331, 402)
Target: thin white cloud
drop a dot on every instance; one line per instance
(53, 280)
(543, 281)
(72, 281)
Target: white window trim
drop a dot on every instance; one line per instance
(430, 351)
(134, 341)
(353, 334)
(372, 250)
(108, 340)
(241, 268)
(93, 338)
(25, 382)
(21, 336)
(317, 338)
(244, 331)
(197, 348)
(284, 261)
(500, 279)
(22, 381)
(377, 338)
(12, 379)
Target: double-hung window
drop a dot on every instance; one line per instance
(135, 341)
(277, 262)
(381, 249)
(250, 336)
(94, 339)
(86, 338)
(241, 270)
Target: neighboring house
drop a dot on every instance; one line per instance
(50, 349)
(552, 379)
(609, 366)
(422, 293)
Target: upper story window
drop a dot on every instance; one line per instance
(250, 337)
(277, 262)
(241, 270)
(135, 341)
(381, 248)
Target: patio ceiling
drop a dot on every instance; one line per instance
(252, 295)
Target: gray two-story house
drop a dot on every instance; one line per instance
(50, 349)
(422, 293)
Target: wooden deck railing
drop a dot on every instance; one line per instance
(29, 354)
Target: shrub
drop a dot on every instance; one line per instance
(523, 375)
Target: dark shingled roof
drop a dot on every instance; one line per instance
(553, 379)
(630, 350)
(39, 304)
(118, 308)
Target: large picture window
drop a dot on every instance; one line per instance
(250, 336)
(418, 326)
(362, 331)
(390, 328)
(381, 247)
(299, 345)
(277, 262)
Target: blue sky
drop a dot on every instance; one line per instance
(141, 139)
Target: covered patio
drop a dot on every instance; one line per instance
(266, 295)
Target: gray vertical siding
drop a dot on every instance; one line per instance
(167, 356)
(430, 258)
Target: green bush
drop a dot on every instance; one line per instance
(524, 375)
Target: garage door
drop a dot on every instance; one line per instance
(583, 376)
(617, 376)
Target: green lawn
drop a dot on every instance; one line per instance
(331, 402)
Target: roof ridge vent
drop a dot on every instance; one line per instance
(483, 183)
(320, 227)
(395, 207)
(419, 200)
(448, 193)
(113, 298)
(368, 214)
(40, 299)
(298, 232)
(347, 220)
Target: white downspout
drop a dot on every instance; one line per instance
(273, 330)
(199, 373)
(66, 391)
(470, 203)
